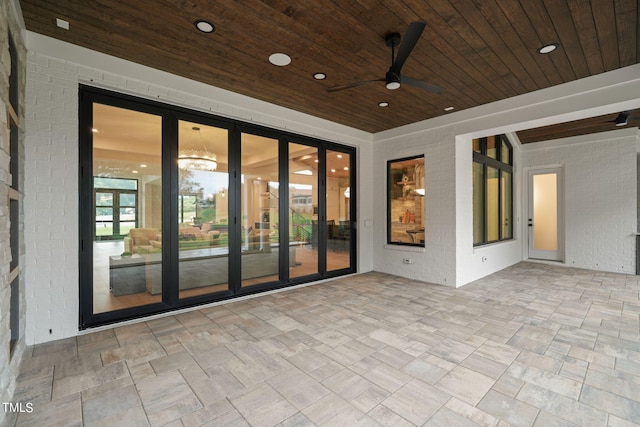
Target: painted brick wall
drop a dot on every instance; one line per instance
(9, 362)
(51, 204)
(600, 185)
(436, 262)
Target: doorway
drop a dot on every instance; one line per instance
(545, 207)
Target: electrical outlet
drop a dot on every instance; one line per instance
(406, 260)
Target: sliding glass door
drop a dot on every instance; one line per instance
(126, 241)
(259, 212)
(339, 226)
(203, 209)
(182, 208)
(303, 210)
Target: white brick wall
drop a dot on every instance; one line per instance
(600, 186)
(9, 363)
(436, 263)
(51, 204)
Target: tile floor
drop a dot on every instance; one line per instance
(531, 345)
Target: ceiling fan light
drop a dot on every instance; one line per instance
(392, 80)
(622, 119)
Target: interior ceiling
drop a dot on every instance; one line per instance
(479, 51)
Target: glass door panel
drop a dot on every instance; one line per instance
(127, 152)
(260, 203)
(303, 210)
(338, 210)
(203, 209)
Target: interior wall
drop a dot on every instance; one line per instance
(55, 71)
(600, 196)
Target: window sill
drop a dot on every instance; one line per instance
(406, 248)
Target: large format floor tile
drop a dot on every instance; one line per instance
(532, 345)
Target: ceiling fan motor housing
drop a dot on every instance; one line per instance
(392, 80)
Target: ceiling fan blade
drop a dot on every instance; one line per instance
(408, 43)
(417, 83)
(350, 85)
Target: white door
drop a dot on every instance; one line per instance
(545, 214)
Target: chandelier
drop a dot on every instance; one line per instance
(197, 159)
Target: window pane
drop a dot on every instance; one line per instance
(260, 203)
(492, 204)
(121, 184)
(477, 145)
(338, 210)
(478, 203)
(127, 199)
(407, 201)
(492, 143)
(104, 199)
(507, 205)
(506, 152)
(303, 206)
(127, 259)
(203, 209)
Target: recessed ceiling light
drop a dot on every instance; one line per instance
(61, 23)
(143, 166)
(383, 104)
(204, 26)
(94, 130)
(339, 156)
(333, 170)
(134, 171)
(304, 172)
(449, 108)
(316, 160)
(319, 76)
(280, 59)
(548, 48)
(346, 168)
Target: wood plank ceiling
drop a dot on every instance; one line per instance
(480, 51)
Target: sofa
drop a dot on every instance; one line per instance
(140, 240)
(149, 240)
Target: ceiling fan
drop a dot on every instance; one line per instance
(623, 117)
(393, 78)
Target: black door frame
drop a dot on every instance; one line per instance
(89, 95)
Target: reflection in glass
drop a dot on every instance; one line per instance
(203, 209)
(478, 205)
(492, 204)
(127, 252)
(406, 194)
(507, 191)
(303, 210)
(259, 213)
(338, 210)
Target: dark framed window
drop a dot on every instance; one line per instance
(405, 201)
(492, 190)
